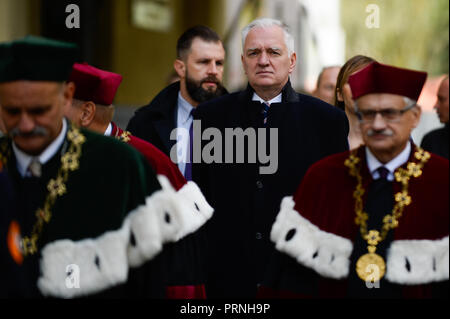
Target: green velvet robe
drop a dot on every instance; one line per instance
(111, 181)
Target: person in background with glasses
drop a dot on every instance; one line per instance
(364, 223)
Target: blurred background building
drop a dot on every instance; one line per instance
(137, 38)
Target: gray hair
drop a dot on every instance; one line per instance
(409, 101)
(266, 23)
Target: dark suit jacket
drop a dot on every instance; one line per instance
(154, 122)
(246, 202)
(437, 141)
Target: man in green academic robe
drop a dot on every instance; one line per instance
(87, 220)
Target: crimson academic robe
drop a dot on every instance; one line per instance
(316, 236)
(157, 159)
(184, 259)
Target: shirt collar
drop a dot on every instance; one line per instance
(108, 130)
(184, 109)
(24, 160)
(373, 163)
(276, 99)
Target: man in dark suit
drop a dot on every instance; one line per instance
(199, 64)
(436, 141)
(302, 129)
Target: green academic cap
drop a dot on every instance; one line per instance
(36, 59)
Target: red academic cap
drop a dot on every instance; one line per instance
(93, 84)
(381, 78)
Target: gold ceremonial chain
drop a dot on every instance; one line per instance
(402, 199)
(125, 137)
(4, 152)
(56, 187)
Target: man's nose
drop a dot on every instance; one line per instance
(379, 122)
(263, 59)
(436, 106)
(26, 123)
(212, 69)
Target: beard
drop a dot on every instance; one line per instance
(198, 93)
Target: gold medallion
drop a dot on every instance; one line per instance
(370, 267)
(13, 240)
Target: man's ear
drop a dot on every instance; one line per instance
(243, 64)
(68, 92)
(87, 113)
(293, 62)
(180, 68)
(417, 113)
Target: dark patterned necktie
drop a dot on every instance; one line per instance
(383, 171)
(265, 112)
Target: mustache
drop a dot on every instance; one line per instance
(210, 78)
(37, 131)
(385, 132)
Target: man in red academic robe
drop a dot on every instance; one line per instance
(92, 108)
(373, 222)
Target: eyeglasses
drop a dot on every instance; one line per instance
(389, 115)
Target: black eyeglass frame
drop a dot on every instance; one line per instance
(396, 113)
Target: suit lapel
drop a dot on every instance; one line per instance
(164, 127)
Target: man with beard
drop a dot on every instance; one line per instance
(199, 64)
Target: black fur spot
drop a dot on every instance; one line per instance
(290, 234)
(315, 254)
(167, 218)
(407, 264)
(434, 264)
(97, 262)
(196, 207)
(132, 240)
(332, 259)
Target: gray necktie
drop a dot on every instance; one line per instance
(35, 167)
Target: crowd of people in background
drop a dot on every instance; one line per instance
(354, 209)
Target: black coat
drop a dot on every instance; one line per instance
(246, 202)
(437, 141)
(155, 121)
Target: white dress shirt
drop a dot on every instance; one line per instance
(276, 99)
(108, 130)
(373, 163)
(24, 160)
(184, 121)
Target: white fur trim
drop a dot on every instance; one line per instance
(332, 252)
(428, 261)
(110, 251)
(145, 229)
(196, 211)
(167, 208)
(181, 207)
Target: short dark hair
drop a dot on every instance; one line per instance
(199, 31)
